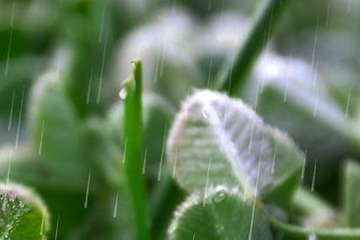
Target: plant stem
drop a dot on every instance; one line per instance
(309, 204)
(299, 232)
(132, 94)
(315, 211)
(165, 198)
(234, 73)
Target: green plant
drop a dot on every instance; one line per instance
(130, 167)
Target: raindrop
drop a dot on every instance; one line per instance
(162, 156)
(41, 138)
(89, 86)
(57, 227)
(144, 161)
(19, 120)
(313, 178)
(220, 196)
(303, 168)
(116, 205)
(207, 181)
(11, 111)
(123, 93)
(10, 40)
(87, 190)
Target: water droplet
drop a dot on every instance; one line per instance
(205, 112)
(210, 114)
(220, 196)
(123, 93)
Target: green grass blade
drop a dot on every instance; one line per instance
(351, 196)
(132, 94)
(234, 73)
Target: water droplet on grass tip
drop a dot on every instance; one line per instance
(123, 93)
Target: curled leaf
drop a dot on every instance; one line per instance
(216, 140)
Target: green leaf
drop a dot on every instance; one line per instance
(287, 93)
(23, 215)
(222, 214)
(216, 140)
(351, 194)
(55, 129)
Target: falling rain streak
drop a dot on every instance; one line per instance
(10, 39)
(162, 156)
(88, 94)
(303, 168)
(41, 138)
(9, 168)
(11, 111)
(125, 149)
(102, 66)
(328, 13)
(210, 70)
(102, 25)
(116, 205)
(274, 159)
(207, 181)
(87, 190)
(57, 227)
(254, 199)
(19, 120)
(313, 177)
(144, 161)
(313, 55)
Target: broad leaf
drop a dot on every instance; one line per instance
(222, 214)
(55, 129)
(22, 215)
(216, 140)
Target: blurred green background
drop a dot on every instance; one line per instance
(306, 83)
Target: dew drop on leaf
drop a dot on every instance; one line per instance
(220, 196)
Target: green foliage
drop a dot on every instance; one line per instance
(119, 168)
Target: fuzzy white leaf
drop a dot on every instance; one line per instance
(216, 140)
